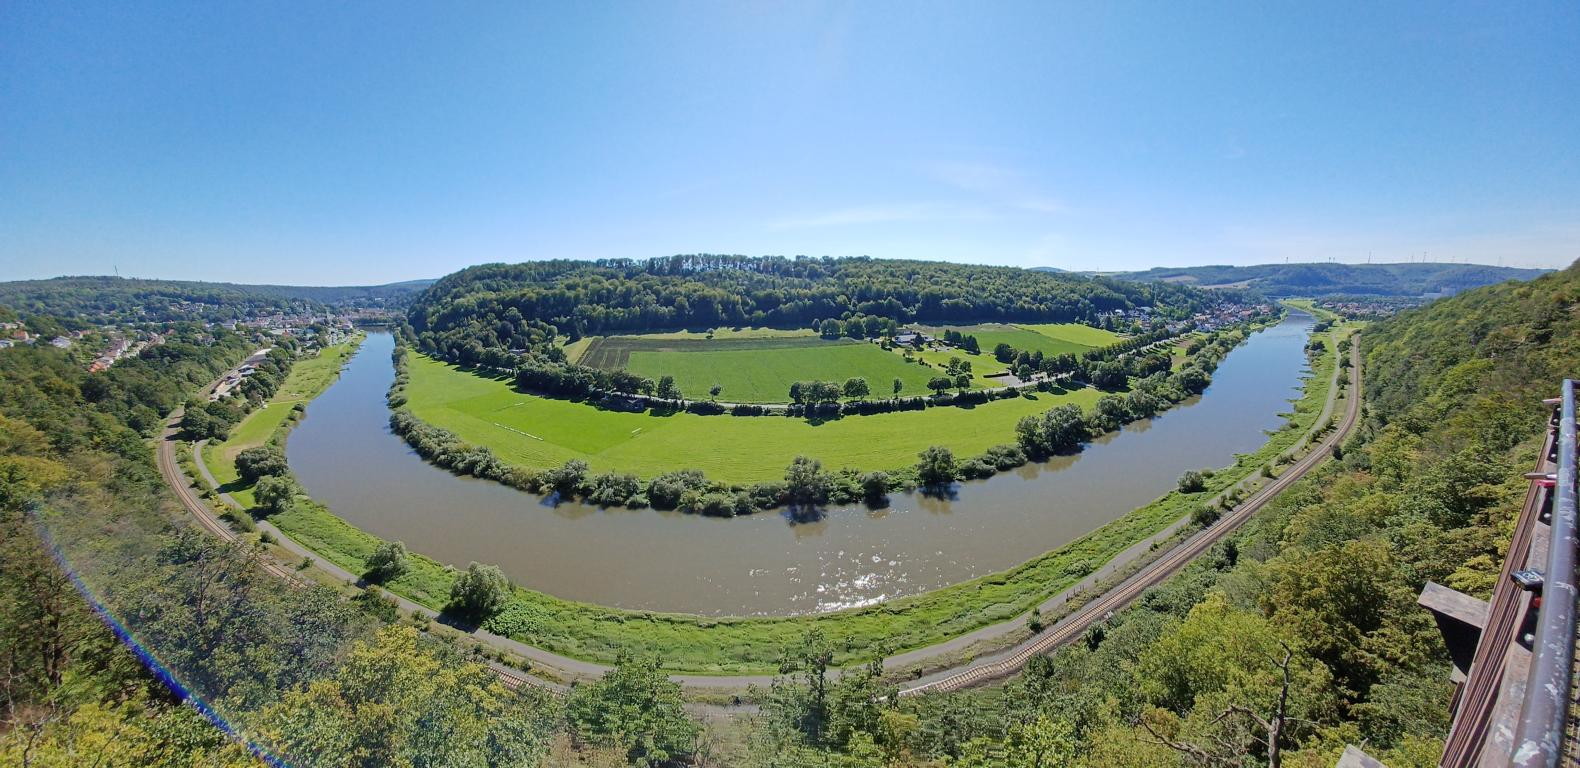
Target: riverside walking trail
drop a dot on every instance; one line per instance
(966, 673)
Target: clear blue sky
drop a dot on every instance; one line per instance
(335, 143)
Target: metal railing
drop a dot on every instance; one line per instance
(1539, 738)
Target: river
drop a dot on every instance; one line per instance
(346, 457)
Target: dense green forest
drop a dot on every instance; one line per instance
(87, 525)
(523, 306)
(1341, 279)
(130, 300)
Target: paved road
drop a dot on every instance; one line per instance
(988, 668)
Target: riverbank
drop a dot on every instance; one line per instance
(307, 379)
(753, 645)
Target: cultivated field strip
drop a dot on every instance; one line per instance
(613, 353)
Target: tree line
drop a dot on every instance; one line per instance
(492, 309)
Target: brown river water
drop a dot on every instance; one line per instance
(346, 457)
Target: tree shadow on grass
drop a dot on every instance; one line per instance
(233, 486)
(486, 373)
(457, 621)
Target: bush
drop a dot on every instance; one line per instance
(1004, 457)
(378, 605)
(875, 486)
(704, 407)
(276, 493)
(1192, 482)
(612, 490)
(479, 592)
(665, 491)
(976, 469)
(1204, 516)
(567, 480)
(388, 562)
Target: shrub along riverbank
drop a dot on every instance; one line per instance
(755, 645)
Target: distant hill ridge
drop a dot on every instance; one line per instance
(1326, 279)
(123, 299)
(12, 290)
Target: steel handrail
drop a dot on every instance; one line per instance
(1539, 738)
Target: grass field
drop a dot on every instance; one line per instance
(1051, 338)
(757, 375)
(490, 413)
(614, 352)
(308, 377)
(758, 365)
(755, 369)
(755, 645)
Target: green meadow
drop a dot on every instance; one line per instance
(1051, 338)
(753, 365)
(765, 375)
(543, 432)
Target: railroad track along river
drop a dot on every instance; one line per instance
(1075, 625)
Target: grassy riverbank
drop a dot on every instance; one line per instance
(308, 378)
(545, 432)
(754, 645)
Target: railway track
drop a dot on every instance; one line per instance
(1076, 624)
(200, 511)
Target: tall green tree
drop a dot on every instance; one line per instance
(936, 468)
(636, 708)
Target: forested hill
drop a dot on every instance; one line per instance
(581, 297)
(1316, 597)
(1340, 279)
(120, 299)
(1512, 340)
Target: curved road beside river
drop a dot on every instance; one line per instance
(992, 667)
(1073, 626)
